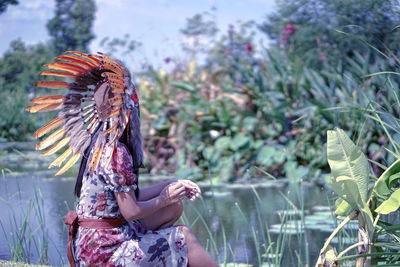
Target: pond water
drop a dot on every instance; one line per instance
(228, 220)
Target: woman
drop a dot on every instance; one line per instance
(115, 223)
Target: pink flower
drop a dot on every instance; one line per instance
(290, 29)
(249, 47)
(322, 57)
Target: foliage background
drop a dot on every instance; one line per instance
(232, 107)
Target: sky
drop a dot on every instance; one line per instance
(155, 23)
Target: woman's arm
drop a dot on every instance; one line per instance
(153, 191)
(192, 190)
(131, 209)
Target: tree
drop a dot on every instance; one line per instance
(5, 3)
(71, 27)
(309, 27)
(198, 32)
(19, 70)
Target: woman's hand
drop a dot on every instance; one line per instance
(192, 190)
(173, 193)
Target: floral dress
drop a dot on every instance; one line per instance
(128, 245)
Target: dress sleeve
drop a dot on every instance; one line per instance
(117, 171)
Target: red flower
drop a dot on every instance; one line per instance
(249, 47)
(289, 29)
(322, 57)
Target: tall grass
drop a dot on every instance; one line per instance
(28, 233)
(271, 248)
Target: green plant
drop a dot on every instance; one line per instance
(350, 176)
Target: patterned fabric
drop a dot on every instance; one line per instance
(130, 244)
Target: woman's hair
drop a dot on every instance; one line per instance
(131, 137)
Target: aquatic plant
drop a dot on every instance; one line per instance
(350, 179)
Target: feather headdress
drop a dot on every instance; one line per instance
(98, 107)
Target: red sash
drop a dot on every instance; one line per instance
(73, 221)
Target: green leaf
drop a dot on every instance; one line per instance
(342, 207)
(391, 204)
(227, 169)
(265, 156)
(248, 123)
(346, 159)
(223, 142)
(186, 86)
(382, 185)
(349, 173)
(239, 141)
(294, 172)
(211, 154)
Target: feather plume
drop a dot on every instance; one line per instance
(51, 139)
(67, 67)
(57, 122)
(53, 84)
(58, 74)
(61, 158)
(96, 61)
(96, 155)
(56, 147)
(69, 163)
(44, 107)
(48, 99)
(77, 61)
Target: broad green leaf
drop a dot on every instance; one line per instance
(381, 187)
(348, 190)
(239, 141)
(346, 159)
(391, 204)
(211, 154)
(342, 207)
(223, 142)
(294, 172)
(349, 173)
(248, 123)
(265, 156)
(279, 156)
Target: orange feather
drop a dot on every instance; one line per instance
(69, 163)
(53, 84)
(48, 99)
(97, 62)
(94, 160)
(67, 67)
(58, 73)
(44, 107)
(61, 158)
(51, 139)
(56, 147)
(77, 61)
(48, 127)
